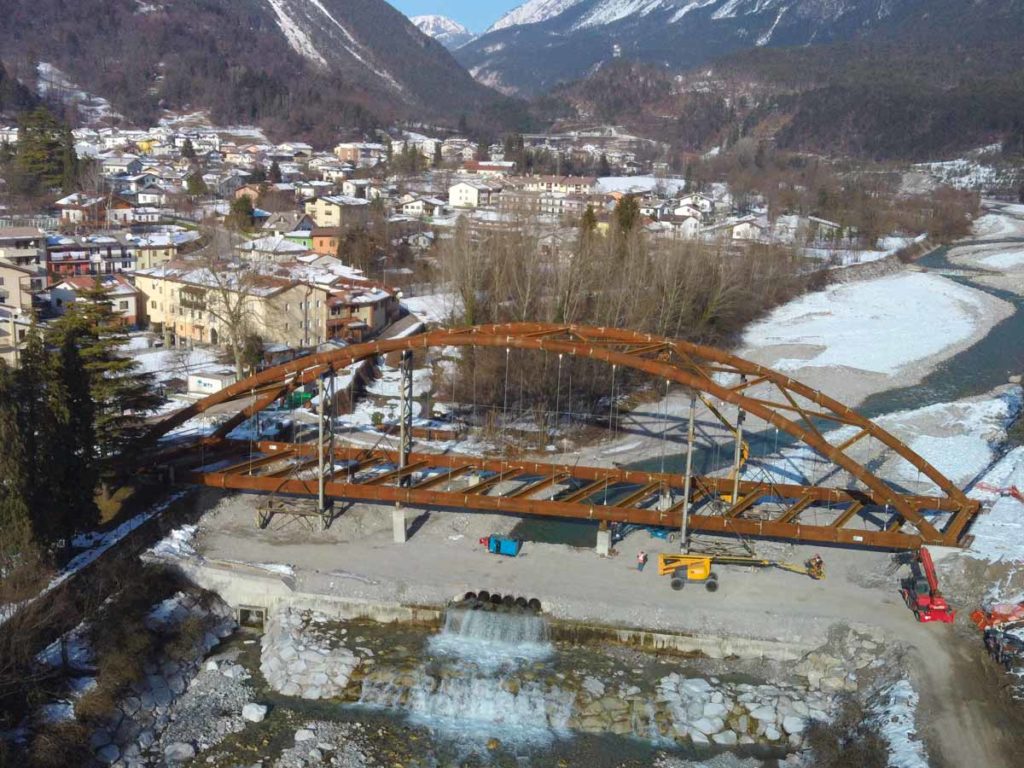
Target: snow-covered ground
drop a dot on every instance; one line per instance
(435, 308)
(999, 531)
(895, 715)
(638, 184)
(877, 325)
(856, 339)
(960, 439)
(166, 364)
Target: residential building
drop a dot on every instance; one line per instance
(361, 154)
(125, 299)
(567, 185)
(14, 330)
(18, 283)
(473, 194)
(102, 254)
(338, 211)
(297, 304)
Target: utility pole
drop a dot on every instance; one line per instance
(684, 534)
(398, 528)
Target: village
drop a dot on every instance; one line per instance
(145, 229)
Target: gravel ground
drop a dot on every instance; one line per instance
(322, 743)
(211, 708)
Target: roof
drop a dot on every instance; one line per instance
(274, 244)
(115, 285)
(20, 233)
(345, 200)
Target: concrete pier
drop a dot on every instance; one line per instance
(399, 529)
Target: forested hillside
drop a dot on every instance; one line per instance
(302, 67)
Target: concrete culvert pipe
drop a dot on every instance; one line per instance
(469, 596)
(522, 602)
(483, 596)
(534, 605)
(496, 599)
(509, 600)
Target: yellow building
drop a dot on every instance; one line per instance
(338, 211)
(193, 305)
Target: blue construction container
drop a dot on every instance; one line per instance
(503, 545)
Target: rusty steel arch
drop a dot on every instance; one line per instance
(901, 520)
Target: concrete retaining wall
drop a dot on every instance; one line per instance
(239, 586)
(244, 587)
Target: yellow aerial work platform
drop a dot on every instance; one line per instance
(697, 567)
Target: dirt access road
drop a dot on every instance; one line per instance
(965, 716)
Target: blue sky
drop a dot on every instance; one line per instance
(475, 14)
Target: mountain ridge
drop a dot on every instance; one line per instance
(305, 67)
(544, 42)
(450, 33)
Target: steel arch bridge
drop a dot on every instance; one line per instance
(869, 513)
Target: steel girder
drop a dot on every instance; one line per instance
(902, 520)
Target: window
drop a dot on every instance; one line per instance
(1, 281)
(152, 303)
(123, 306)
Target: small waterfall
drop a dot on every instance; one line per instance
(483, 675)
(492, 639)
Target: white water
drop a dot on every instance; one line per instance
(484, 675)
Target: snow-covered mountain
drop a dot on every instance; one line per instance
(543, 42)
(312, 63)
(446, 31)
(532, 12)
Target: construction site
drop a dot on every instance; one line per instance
(812, 542)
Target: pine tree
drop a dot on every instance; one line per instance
(627, 213)
(195, 186)
(241, 216)
(45, 155)
(274, 174)
(38, 430)
(187, 150)
(122, 395)
(75, 468)
(15, 516)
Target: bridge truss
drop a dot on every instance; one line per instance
(866, 512)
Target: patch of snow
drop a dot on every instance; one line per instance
(999, 531)
(895, 717)
(166, 364)
(533, 12)
(692, 6)
(435, 308)
(177, 544)
(357, 49)
(1008, 260)
(300, 42)
(877, 325)
(639, 184)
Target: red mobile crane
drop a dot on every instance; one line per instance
(921, 590)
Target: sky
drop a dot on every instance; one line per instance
(478, 15)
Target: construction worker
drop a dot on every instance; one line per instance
(641, 560)
(816, 567)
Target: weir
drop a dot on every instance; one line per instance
(487, 673)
